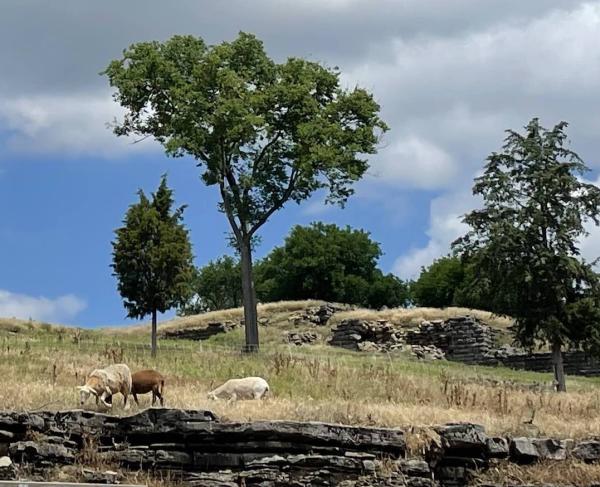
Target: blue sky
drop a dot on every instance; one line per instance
(56, 238)
(450, 77)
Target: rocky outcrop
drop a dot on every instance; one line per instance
(195, 447)
(463, 339)
(300, 338)
(317, 315)
(200, 332)
(357, 334)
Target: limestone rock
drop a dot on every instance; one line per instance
(497, 447)
(7, 469)
(300, 338)
(41, 453)
(588, 451)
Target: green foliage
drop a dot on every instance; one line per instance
(264, 133)
(523, 244)
(442, 284)
(217, 285)
(152, 255)
(326, 262)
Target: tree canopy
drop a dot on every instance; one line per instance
(524, 242)
(152, 257)
(217, 285)
(324, 261)
(263, 132)
(439, 284)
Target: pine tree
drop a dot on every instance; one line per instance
(152, 257)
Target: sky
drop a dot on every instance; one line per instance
(450, 76)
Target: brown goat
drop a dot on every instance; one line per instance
(145, 381)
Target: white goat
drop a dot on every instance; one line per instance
(103, 383)
(246, 388)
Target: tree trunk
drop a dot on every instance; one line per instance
(249, 297)
(559, 370)
(153, 353)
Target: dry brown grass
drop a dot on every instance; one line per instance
(16, 325)
(350, 389)
(414, 316)
(279, 313)
(570, 472)
(276, 312)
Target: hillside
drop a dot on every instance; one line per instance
(42, 364)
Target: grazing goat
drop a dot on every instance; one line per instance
(145, 381)
(246, 388)
(103, 383)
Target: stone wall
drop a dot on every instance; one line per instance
(200, 332)
(463, 339)
(198, 449)
(356, 334)
(576, 362)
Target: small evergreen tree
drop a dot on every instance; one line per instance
(152, 257)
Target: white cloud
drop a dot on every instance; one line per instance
(65, 124)
(40, 308)
(414, 162)
(449, 99)
(446, 213)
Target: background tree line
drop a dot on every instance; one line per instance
(319, 261)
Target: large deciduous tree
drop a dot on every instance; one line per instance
(324, 261)
(442, 284)
(217, 285)
(524, 243)
(263, 132)
(152, 257)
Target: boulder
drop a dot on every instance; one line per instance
(587, 451)
(463, 437)
(497, 447)
(300, 338)
(7, 469)
(41, 453)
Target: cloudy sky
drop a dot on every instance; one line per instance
(450, 75)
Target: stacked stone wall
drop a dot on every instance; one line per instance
(195, 448)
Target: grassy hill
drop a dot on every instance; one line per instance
(42, 364)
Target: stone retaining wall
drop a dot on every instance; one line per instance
(463, 339)
(200, 332)
(576, 362)
(194, 446)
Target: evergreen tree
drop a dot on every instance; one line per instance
(152, 257)
(523, 244)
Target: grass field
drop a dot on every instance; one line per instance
(41, 366)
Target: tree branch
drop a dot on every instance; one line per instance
(278, 204)
(229, 211)
(263, 152)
